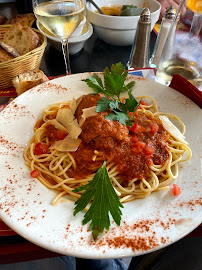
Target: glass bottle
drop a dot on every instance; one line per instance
(162, 35)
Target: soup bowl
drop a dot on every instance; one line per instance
(119, 30)
(75, 42)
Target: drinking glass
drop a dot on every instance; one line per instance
(182, 54)
(61, 18)
(196, 7)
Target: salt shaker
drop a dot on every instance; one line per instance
(139, 56)
(161, 38)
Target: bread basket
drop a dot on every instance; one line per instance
(28, 61)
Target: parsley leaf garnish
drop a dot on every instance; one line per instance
(114, 85)
(118, 116)
(96, 83)
(113, 81)
(105, 103)
(131, 102)
(105, 201)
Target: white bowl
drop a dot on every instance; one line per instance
(75, 43)
(119, 30)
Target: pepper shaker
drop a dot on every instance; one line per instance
(161, 38)
(139, 56)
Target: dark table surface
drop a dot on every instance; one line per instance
(95, 56)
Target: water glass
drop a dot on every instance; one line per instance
(182, 54)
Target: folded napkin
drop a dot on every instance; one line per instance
(183, 86)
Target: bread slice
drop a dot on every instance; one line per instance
(4, 55)
(25, 19)
(22, 38)
(9, 49)
(29, 79)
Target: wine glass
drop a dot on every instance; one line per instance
(61, 18)
(196, 7)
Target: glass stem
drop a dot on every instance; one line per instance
(65, 51)
(196, 24)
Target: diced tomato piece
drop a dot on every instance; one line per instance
(176, 190)
(40, 148)
(136, 112)
(37, 151)
(137, 128)
(134, 139)
(34, 173)
(148, 150)
(136, 150)
(154, 127)
(131, 114)
(140, 144)
(60, 134)
(143, 103)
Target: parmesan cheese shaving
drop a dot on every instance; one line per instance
(56, 124)
(78, 101)
(66, 145)
(87, 112)
(172, 129)
(73, 105)
(66, 118)
(74, 130)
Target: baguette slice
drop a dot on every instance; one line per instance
(22, 38)
(29, 79)
(4, 55)
(25, 19)
(9, 49)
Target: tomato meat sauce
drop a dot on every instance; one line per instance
(132, 149)
(54, 134)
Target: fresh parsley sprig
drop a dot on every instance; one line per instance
(114, 85)
(105, 201)
(114, 81)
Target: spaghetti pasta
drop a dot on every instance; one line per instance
(140, 160)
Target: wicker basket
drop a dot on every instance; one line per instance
(28, 61)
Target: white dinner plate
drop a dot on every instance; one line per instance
(147, 224)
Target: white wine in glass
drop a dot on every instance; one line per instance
(61, 18)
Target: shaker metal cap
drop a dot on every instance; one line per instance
(145, 15)
(170, 13)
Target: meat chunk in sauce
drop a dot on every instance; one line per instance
(99, 130)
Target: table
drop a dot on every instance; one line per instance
(95, 56)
